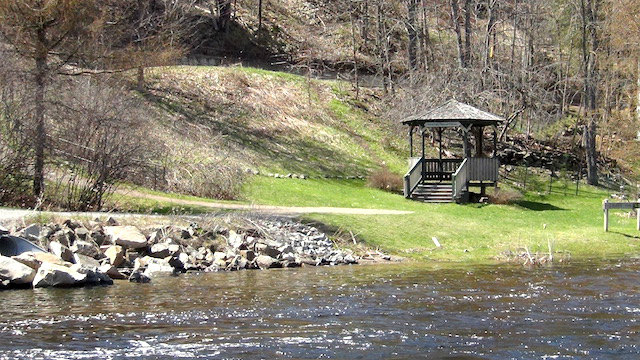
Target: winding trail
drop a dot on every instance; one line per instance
(271, 209)
(7, 214)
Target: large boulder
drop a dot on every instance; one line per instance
(35, 259)
(50, 274)
(127, 236)
(13, 272)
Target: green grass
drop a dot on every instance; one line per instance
(471, 233)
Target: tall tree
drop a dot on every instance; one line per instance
(50, 34)
(590, 14)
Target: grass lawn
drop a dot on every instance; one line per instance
(472, 233)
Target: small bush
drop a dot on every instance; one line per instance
(384, 179)
(504, 197)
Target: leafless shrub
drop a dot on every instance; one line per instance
(15, 150)
(210, 178)
(386, 180)
(504, 196)
(98, 139)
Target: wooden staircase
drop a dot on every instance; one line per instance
(434, 192)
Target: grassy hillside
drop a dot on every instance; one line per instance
(271, 121)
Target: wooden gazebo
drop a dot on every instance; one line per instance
(448, 180)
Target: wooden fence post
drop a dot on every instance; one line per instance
(606, 214)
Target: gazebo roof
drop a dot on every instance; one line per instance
(453, 113)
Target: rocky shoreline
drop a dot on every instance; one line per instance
(74, 253)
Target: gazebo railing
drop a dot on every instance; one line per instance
(460, 179)
(474, 170)
(440, 170)
(413, 178)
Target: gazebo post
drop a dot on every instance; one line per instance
(495, 142)
(479, 131)
(465, 143)
(440, 152)
(411, 142)
(424, 163)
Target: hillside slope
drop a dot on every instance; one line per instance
(271, 122)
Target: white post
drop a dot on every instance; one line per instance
(638, 214)
(606, 215)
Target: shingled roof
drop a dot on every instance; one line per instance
(455, 112)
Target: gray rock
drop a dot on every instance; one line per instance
(139, 277)
(82, 234)
(35, 259)
(14, 272)
(268, 250)
(93, 275)
(31, 232)
(158, 267)
(61, 237)
(267, 262)
(84, 260)
(61, 251)
(127, 236)
(55, 275)
(160, 250)
(115, 254)
(87, 248)
(248, 254)
(235, 240)
(112, 272)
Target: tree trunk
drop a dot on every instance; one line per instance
(455, 10)
(488, 48)
(259, 15)
(224, 14)
(412, 25)
(638, 90)
(40, 138)
(140, 78)
(590, 45)
(467, 32)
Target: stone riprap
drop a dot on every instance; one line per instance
(99, 251)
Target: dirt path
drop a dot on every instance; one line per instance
(280, 210)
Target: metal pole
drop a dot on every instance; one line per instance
(606, 215)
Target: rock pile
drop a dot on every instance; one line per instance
(97, 252)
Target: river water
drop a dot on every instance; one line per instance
(586, 310)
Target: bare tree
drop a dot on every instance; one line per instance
(49, 34)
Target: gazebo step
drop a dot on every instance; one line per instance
(440, 192)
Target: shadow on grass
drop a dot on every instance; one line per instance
(538, 206)
(637, 237)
